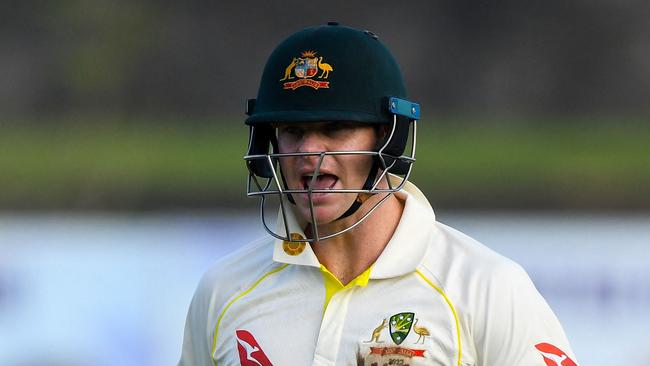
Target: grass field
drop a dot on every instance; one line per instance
(76, 165)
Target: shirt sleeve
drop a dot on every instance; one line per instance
(516, 326)
(197, 346)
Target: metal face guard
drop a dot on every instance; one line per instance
(274, 187)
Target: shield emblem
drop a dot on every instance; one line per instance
(300, 68)
(400, 326)
(306, 67)
(312, 67)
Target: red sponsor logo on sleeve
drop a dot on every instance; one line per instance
(554, 356)
(250, 352)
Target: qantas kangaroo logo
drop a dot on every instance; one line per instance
(554, 356)
(250, 352)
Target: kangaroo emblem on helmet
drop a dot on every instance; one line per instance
(305, 68)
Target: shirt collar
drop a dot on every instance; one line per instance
(292, 253)
(406, 248)
(402, 254)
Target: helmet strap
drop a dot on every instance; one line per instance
(370, 181)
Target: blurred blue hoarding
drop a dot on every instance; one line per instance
(114, 290)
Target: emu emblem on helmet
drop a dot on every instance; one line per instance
(306, 69)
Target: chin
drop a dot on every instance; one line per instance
(324, 214)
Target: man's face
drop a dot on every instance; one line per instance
(336, 171)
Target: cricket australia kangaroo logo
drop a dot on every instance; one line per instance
(400, 326)
(307, 70)
(380, 351)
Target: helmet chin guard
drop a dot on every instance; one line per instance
(392, 162)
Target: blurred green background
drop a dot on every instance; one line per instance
(116, 105)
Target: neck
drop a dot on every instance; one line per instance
(349, 254)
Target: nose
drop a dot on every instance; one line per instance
(311, 141)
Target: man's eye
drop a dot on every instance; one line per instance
(291, 130)
(336, 127)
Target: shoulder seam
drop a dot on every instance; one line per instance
(451, 307)
(235, 299)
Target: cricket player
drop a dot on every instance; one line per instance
(356, 270)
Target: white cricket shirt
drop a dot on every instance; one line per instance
(433, 297)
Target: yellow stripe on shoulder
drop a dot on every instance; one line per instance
(223, 312)
(453, 310)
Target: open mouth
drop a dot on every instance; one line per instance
(321, 181)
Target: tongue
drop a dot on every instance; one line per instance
(324, 181)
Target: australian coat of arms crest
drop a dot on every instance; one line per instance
(307, 70)
(380, 351)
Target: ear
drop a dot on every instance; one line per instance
(385, 130)
(381, 131)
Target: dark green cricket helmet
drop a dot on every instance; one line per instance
(328, 73)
